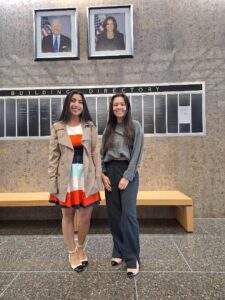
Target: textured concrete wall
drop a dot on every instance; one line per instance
(175, 41)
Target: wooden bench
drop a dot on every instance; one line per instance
(183, 204)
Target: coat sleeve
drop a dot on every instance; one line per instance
(53, 162)
(102, 152)
(95, 152)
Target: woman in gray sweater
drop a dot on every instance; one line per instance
(122, 146)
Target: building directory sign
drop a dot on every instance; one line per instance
(163, 109)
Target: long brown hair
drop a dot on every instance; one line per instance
(65, 115)
(112, 122)
(114, 23)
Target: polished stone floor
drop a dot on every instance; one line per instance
(175, 264)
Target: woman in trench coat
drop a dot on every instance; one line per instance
(75, 173)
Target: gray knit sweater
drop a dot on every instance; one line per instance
(121, 149)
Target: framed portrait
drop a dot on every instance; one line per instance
(56, 34)
(110, 31)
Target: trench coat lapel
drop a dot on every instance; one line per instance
(63, 137)
(86, 136)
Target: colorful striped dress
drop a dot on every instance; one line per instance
(75, 193)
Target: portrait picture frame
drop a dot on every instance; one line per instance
(56, 34)
(110, 32)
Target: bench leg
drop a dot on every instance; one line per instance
(76, 220)
(184, 215)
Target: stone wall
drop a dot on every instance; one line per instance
(175, 41)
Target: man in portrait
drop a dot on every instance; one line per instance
(56, 41)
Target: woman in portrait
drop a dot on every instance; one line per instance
(75, 173)
(121, 151)
(110, 38)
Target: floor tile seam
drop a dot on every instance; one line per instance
(202, 236)
(108, 235)
(37, 236)
(90, 236)
(215, 236)
(180, 253)
(61, 238)
(3, 292)
(209, 218)
(99, 235)
(186, 235)
(70, 271)
(210, 235)
(136, 290)
(205, 236)
(32, 236)
(119, 271)
(164, 235)
(183, 271)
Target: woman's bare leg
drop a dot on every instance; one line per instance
(83, 229)
(68, 233)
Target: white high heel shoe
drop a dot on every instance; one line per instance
(115, 261)
(84, 261)
(78, 268)
(131, 273)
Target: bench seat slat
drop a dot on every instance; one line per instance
(183, 203)
(159, 198)
(24, 199)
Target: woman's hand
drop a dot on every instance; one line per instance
(123, 183)
(106, 182)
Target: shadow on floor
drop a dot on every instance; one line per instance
(98, 226)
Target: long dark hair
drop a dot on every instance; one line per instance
(112, 122)
(114, 22)
(65, 115)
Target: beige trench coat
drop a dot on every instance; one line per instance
(61, 157)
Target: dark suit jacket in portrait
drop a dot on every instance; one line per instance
(65, 44)
(117, 43)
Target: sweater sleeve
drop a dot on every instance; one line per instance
(136, 152)
(96, 156)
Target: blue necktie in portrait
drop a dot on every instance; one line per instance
(56, 47)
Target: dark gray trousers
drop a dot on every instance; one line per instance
(122, 217)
